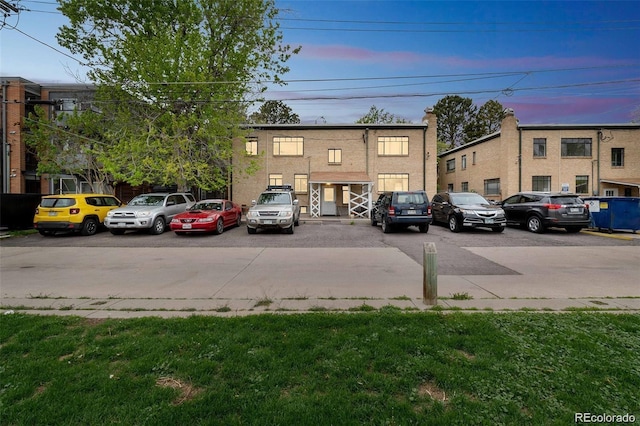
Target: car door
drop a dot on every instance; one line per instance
(376, 208)
(176, 203)
(510, 207)
(438, 208)
(105, 204)
(228, 214)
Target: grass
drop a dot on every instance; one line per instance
(384, 367)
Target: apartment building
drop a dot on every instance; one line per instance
(337, 170)
(598, 159)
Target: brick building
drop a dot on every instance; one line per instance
(588, 159)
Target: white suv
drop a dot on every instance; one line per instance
(277, 207)
(151, 212)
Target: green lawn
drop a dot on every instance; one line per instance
(381, 368)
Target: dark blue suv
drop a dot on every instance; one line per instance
(402, 209)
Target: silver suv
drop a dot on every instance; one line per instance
(277, 207)
(151, 212)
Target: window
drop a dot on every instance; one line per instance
(451, 165)
(617, 157)
(300, 184)
(251, 146)
(539, 147)
(541, 183)
(463, 162)
(393, 182)
(473, 158)
(393, 145)
(450, 187)
(275, 179)
(335, 156)
(576, 147)
(288, 146)
(492, 186)
(464, 187)
(582, 184)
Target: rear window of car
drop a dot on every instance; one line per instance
(411, 198)
(566, 200)
(57, 202)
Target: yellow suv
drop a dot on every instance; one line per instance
(82, 213)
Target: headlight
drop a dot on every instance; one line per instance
(109, 213)
(285, 213)
(205, 220)
(174, 220)
(252, 213)
(143, 214)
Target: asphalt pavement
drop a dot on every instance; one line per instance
(103, 282)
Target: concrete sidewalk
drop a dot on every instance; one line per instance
(129, 282)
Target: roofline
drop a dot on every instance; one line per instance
(323, 126)
(618, 182)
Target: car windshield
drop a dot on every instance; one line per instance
(274, 198)
(147, 200)
(466, 199)
(207, 206)
(417, 198)
(566, 200)
(57, 202)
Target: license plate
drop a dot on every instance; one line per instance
(53, 213)
(488, 221)
(575, 210)
(122, 224)
(186, 226)
(411, 212)
(269, 222)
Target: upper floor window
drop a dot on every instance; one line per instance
(393, 145)
(300, 184)
(251, 145)
(288, 146)
(335, 156)
(463, 162)
(617, 157)
(539, 147)
(576, 147)
(582, 184)
(451, 165)
(464, 187)
(473, 158)
(275, 179)
(393, 182)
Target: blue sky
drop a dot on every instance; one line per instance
(563, 62)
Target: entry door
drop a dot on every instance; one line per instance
(328, 201)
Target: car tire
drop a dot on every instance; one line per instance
(290, 229)
(239, 220)
(423, 227)
(498, 230)
(374, 222)
(297, 221)
(219, 227)
(573, 229)
(251, 230)
(534, 224)
(158, 226)
(386, 226)
(89, 227)
(117, 231)
(454, 225)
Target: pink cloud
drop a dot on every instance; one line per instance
(566, 110)
(356, 54)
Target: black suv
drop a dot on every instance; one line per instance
(402, 209)
(540, 210)
(467, 210)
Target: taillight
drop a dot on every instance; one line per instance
(74, 211)
(553, 206)
(586, 206)
(37, 210)
(429, 211)
(392, 211)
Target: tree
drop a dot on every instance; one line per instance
(454, 113)
(487, 120)
(380, 116)
(173, 79)
(274, 112)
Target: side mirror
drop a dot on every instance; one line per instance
(295, 202)
(253, 202)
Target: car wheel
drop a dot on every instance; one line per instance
(251, 230)
(290, 229)
(534, 224)
(219, 227)
(117, 231)
(573, 229)
(386, 227)
(374, 222)
(89, 227)
(239, 220)
(454, 225)
(297, 221)
(501, 229)
(158, 226)
(423, 227)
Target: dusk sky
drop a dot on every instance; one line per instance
(564, 62)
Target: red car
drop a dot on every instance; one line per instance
(207, 216)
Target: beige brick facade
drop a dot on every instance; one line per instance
(358, 146)
(597, 160)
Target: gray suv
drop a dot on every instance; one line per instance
(151, 212)
(276, 208)
(540, 210)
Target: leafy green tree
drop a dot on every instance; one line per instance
(454, 113)
(487, 120)
(173, 79)
(274, 112)
(380, 116)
